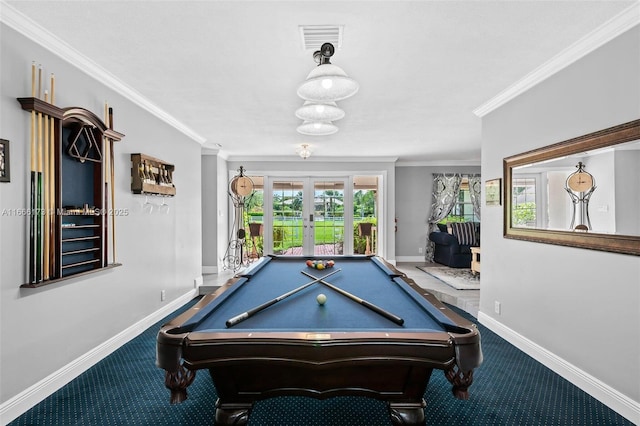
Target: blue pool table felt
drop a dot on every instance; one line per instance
(367, 278)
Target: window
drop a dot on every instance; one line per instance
(524, 202)
(365, 210)
(253, 221)
(462, 211)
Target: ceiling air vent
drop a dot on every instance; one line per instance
(313, 36)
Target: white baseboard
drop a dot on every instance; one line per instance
(604, 393)
(209, 269)
(198, 281)
(410, 258)
(19, 404)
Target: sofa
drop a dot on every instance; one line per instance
(453, 242)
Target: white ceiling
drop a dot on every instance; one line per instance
(229, 70)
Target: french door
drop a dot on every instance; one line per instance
(308, 216)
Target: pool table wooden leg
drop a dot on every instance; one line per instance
(232, 413)
(460, 381)
(178, 382)
(407, 413)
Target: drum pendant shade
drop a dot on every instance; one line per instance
(317, 128)
(327, 83)
(312, 111)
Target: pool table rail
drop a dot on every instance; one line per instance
(246, 365)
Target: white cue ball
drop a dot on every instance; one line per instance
(321, 299)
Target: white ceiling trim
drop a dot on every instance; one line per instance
(624, 21)
(438, 163)
(313, 159)
(30, 29)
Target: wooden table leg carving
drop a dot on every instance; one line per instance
(177, 382)
(460, 381)
(407, 413)
(232, 413)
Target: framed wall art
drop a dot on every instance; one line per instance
(5, 176)
(493, 192)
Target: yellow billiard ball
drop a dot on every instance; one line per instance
(321, 299)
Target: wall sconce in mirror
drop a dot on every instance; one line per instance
(536, 183)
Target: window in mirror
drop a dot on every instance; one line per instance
(524, 201)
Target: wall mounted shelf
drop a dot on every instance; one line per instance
(151, 176)
(71, 180)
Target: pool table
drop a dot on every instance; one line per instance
(300, 347)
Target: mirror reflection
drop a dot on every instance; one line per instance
(591, 191)
(582, 192)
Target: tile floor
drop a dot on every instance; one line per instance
(467, 300)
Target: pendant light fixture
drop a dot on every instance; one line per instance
(304, 152)
(315, 111)
(317, 128)
(327, 82)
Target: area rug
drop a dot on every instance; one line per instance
(458, 278)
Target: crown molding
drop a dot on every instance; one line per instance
(312, 159)
(624, 21)
(439, 163)
(208, 151)
(35, 32)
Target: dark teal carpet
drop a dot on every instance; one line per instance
(510, 388)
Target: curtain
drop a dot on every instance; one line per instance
(446, 187)
(475, 186)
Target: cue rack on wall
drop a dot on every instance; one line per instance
(72, 196)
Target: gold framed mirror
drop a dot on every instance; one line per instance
(546, 199)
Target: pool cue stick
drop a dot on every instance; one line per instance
(251, 312)
(113, 193)
(51, 187)
(39, 188)
(377, 309)
(32, 206)
(45, 196)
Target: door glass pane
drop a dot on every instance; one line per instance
(254, 219)
(365, 214)
(328, 217)
(287, 217)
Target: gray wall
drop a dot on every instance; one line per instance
(414, 186)
(42, 330)
(627, 207)
(209, 212)
(580, 305)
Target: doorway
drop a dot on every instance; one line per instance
(312, 215)
(309, 216)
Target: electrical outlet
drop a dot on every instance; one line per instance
(162, 295)
(496, 307)
(419, 250)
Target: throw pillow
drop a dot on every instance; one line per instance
(465, 232)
